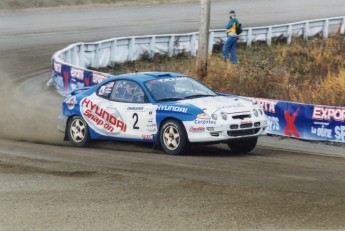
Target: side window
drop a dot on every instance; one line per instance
(105, 90)
(128, 91)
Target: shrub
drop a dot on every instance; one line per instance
(310, 71)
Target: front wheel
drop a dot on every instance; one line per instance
(244, 145)
(173, 138)
(78, 132)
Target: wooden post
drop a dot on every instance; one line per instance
(203, 38)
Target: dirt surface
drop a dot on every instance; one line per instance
(45, 184)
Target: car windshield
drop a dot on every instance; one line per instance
(177, 88)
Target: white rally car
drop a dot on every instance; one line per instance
(171, 109)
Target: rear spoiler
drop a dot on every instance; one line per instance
(78, 91)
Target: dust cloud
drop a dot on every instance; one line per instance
(29, 110)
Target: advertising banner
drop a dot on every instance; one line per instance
(306, 121)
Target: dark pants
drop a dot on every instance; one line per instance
(230, 46)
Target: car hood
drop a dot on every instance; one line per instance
(221, 103)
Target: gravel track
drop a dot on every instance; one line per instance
(45, 184)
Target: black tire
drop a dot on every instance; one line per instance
(78, 132)
(173, 138)
(244, 145)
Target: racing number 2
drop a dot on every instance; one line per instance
(136, 117)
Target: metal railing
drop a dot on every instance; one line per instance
(117, 50)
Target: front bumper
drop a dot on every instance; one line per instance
(224, 131)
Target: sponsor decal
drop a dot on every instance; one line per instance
(329, 113)
(101, 117)
(154, 130)
(77, 73)
(147, 137)
(322, 132)
(151, 125)
(340, 133)
(233, 106)
(172, 108)
(196, 129)
(171, 79)
(98, 77)
(210, 122)
(87, 79)
(101, 90)
(135, 108)
(273, 123)
(57, 67)
(290, 129)
(65, 80)
(106, 89)
(267, 105)
(71, 102)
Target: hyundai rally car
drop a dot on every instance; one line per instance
(171, 109)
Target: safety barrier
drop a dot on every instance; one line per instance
(285, 118)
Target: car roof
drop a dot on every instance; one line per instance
(146, 76)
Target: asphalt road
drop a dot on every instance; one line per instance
(45, 184)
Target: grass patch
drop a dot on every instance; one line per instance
(310, 71)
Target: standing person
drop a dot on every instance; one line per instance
(232, 37)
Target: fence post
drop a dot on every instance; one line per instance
(342, 29)
(131, 49)
(81, 55)
(113, 52)
(171, 45)
(249, 37)
(210, 42)
(289, 34)
(269, 36)
(96, 56)
(74, 55)
(152, 47)
(192, 44)
(325, 29)
(306, 31)
(68, 56)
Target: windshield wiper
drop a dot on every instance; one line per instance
(168, 99)
(197, 96)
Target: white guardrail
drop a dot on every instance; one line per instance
(118, 50)
(312, 122)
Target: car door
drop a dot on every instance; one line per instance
(136, 117)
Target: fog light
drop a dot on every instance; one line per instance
(224, 115)
(210, 129)
(214, 116)
(233, 126)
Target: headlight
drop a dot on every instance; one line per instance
(255, 112)
(224, 115)
(261, 112)
(214, 116)
(203, 116)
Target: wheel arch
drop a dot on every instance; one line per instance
(170, 118)
(66, 126)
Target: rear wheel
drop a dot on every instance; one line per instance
(244, 145)
(78, 132)
(173, 138)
